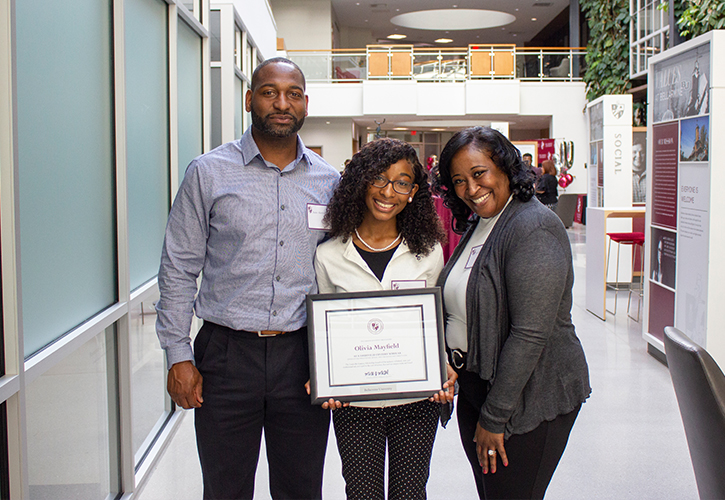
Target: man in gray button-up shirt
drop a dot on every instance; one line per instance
(240, 220)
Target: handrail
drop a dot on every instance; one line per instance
(481, 61)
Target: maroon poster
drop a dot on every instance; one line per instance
(664, 174)
(661, 310)
(546, 150)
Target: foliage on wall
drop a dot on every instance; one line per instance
(608, 48)
(701, 16)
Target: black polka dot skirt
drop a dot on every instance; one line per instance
(362, 434)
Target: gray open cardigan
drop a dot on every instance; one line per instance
(520, 335)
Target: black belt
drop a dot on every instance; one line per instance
(458, 358)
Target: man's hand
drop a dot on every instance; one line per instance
(184, 385)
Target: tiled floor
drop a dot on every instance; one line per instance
(628, 442)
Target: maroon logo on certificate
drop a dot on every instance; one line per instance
(375, 326)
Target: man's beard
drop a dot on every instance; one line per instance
(279, 131)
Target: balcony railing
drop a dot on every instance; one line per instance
(476, 62)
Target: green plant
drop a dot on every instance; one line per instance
(701, 16)
(608, 48)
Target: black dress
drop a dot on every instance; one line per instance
(548, 184)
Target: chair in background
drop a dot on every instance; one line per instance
(700, 390)
(634, 239)
(566, 208)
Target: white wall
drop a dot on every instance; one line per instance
(304, 25)
(480, 100)
(565, 103)
(355, 38)
(335, 138)
(259, 21)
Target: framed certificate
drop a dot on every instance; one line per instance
(376, 345)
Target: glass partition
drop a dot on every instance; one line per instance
(72, 451)
(189, 90)
(66, 160)
(147, 134)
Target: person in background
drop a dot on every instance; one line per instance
(522, 372)
(240, 220)
(547, 185)
(384, 234)
(529, 162)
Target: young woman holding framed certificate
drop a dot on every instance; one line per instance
(385, 235)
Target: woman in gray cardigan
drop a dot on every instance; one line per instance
(507, 293)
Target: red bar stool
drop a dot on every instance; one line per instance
(620, 239)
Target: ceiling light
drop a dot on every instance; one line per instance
(327, 123)
(450, 19)
(400, 128)
(396, 36)
(533, 19)
(443, 40)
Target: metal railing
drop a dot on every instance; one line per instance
(476, 62)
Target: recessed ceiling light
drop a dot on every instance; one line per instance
(397, 10)
(437, 130)
(358, 3)
(327, 123)
(443, 40)
(455, 6)
(400, 128)
(397, 36)
(533, 19)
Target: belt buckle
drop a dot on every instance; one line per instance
(266, 333)
(457, 358)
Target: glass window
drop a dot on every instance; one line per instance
(66, 170)
(4, 465)
(215, 45)
(238, 108)
(72, 451)
(216, 107)
(148, 377)
(189, 89)
(147, 134)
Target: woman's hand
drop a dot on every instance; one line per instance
(331, 404)
(449, 387)
(485, 443)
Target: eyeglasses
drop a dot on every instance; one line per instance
(400, 187)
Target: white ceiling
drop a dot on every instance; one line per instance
(375, 15)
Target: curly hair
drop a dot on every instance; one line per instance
(503, 154)
(418, 222)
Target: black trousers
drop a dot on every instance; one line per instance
(532, 456)
(362, 434)
(252, 383)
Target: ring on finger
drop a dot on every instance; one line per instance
(491, 453)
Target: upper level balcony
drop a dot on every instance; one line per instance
(430, 64)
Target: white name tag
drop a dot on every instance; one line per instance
(315, 213)
(405, 284)
(472, 257)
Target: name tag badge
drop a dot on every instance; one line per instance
(472, 257)
(406, 284)
(315, 213)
